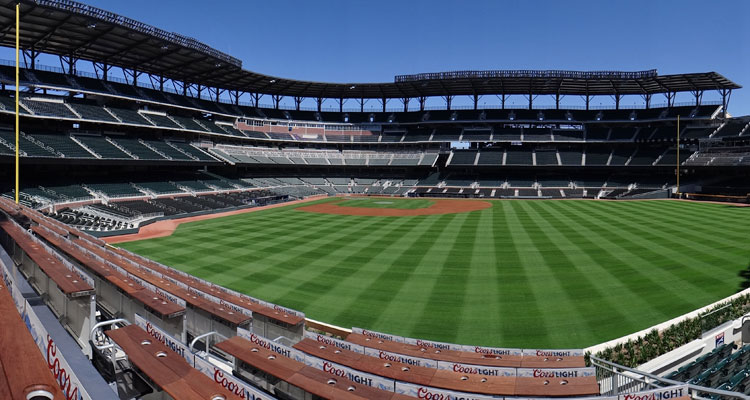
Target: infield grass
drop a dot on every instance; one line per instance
(523, 273)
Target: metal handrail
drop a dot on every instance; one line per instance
(105, 323)
(657, 381)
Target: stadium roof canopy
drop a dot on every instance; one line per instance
(76, 31)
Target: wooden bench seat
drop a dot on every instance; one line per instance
(160, 306)
(69, 284)
(307, 378)
(22, 366)
(164, 367)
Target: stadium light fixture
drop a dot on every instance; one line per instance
(352, 87)
(272, 81)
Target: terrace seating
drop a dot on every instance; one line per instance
(598, 156)
(446, 134)
(620, 156)
(130, 116)
(115, 189)
(193, 151)
(490, 157)
(102, 147)
(94, 113)
(567, 135)
(463, 157)
(189, 123)
(571, 157)
(646, 156)
(27, 147)
(168, 150)
(595, 133)
(730, 129)
(622, 134)
(518, 157)
(137, 149)
(476, 135)
(56, 109)
(536, 135)
(546, 157)
(506, 134)
(64, 144)
(161, 120)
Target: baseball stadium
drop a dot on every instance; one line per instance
(174, 225)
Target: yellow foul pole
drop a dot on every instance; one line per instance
(678, 155)
(18, 24)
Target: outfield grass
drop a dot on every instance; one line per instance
(548, 274)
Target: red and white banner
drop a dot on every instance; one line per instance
(555, 372)
(362, 378)
(164, 338)
(553, 352)
(64, 375)
(400, 358)
(378, 335)
(341, 344)
(476, 369)
(273, 346)
(671, 392)
(429, 393)
(229, 382)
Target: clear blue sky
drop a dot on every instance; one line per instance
(371, 41)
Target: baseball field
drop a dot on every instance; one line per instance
(510, 273)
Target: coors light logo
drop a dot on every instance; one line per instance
(61, 375)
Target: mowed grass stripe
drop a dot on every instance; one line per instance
(299, 261)
(597, 289)
(388, 271)
(583, 295)
(654, 245)
(447, 295)
(411, 300)
(647, 260)
(678, 247)
(323, 291)
(388, 288)
(519, 303)
(554, 302)
(480, 317)
(641, 289)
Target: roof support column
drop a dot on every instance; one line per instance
(385, 101)
(557, 101)
(588, 101)
(618, 97)
(362, 102)
(104, 67)
(448, 101)
(319, 101)
(200, 90)
(297, 102)
(670, 98)
(647, 98)
(726, 94)
(32, 54)
(502, 98)
(134, 74)
(276, 100)
(422, 101)
(256, 97)
(341, 104)
(236, 96)
(69, 62)
(476, 101)
(698, 94)
(405, 100)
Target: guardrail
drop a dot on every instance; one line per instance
(615, 379)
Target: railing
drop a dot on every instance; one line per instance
(526, 73)
(615, 379)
